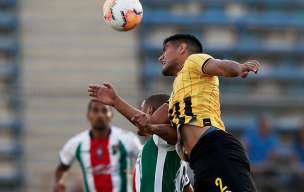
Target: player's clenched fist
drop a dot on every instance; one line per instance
(248, 66)
(142, 122)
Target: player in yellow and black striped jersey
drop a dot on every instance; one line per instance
(218, 159)
(194, 109)
(195, 94)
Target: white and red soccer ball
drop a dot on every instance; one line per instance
(122, 15)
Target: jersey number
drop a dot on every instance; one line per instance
(218, 182)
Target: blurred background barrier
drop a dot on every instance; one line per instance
(51, 50)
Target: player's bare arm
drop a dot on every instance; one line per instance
(160, 116)
(107, 95)
(228, 68)
(165, 131)
(60, 176)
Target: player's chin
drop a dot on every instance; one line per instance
(166, 72)
(100, 126)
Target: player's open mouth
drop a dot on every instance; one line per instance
(163, 62)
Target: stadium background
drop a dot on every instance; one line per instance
(51, 50)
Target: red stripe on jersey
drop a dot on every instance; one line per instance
(101, 167)
(134, 176)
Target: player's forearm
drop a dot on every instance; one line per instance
(166, 132)
(125, 109)
(227, 68)
(59, 176)
(230, 68)
(61, 173)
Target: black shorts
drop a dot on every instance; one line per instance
(220, 164)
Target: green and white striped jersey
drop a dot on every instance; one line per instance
(103, 161)
(159, 169)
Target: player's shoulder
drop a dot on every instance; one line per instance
(199, 57)
(80, 136)
(197, 62)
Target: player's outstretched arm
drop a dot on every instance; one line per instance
(227, 68)
(107, 95)
(60, 176)
(165, 131)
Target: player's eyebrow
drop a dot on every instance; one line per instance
(165, 48)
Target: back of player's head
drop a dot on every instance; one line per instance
(156, 100)
(193, 44)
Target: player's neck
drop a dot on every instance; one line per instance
(181, 63)
(100, 134)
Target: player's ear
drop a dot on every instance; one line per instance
(182, 48)
(111, 115)
(150, 111)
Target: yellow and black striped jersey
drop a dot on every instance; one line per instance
(195, 94)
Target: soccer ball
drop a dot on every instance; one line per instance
(122, 15)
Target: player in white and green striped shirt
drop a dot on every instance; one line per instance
(103, 152)
(158, 167)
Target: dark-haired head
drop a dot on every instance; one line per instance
(176, 49)
(99, 115)
(193, 44)
(152, 103)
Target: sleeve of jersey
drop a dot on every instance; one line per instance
(68, 152)
(186, 181)
(198, 62)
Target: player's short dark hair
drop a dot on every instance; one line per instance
(157, 100)
(193, 44)
(90, 106)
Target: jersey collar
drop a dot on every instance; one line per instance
(90, 133)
